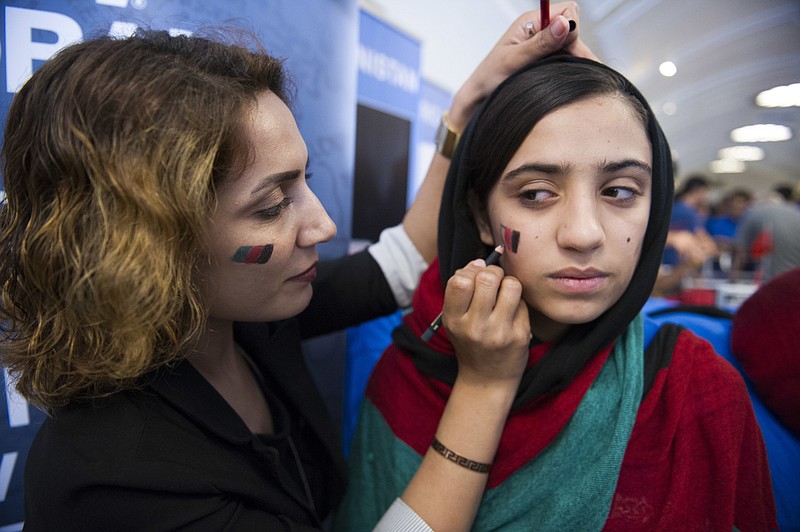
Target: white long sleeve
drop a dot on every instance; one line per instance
(400, 261)
(401, 518)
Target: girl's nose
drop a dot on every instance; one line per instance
(581, 228)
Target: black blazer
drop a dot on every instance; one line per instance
(173, 455)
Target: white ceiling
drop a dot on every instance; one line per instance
(726, 51)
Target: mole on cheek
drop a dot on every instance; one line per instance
(510, 238)
(253, 254)
(629, 239)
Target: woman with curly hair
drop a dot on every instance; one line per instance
(159, 272)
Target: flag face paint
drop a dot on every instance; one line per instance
(253, 254)
(510, 238)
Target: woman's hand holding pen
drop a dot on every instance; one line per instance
(519, 45)
(487, 322)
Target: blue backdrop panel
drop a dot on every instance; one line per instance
(388, 68)
(18, 425)
(433, 101)
(388, 95)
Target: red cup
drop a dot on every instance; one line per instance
(698, 296)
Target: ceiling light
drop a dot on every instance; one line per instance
(667, 69)
(727, 166)
(783, 96)
(669, 108)
(742, 153)
(761, 133)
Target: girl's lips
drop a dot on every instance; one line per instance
(307, 276)
(580, 281)
(578, 273)
(583, 285)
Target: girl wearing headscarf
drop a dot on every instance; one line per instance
(615, 424)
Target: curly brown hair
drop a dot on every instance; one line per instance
(110, 157)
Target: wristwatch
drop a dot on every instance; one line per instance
(446, 138)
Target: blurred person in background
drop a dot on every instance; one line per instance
(785, 190)
(769, 235)
(689, 246)
(721, 225)
(691, 205)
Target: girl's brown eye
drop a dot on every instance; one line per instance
(619, 192)
(537, 195)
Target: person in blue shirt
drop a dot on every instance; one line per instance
(688, 244)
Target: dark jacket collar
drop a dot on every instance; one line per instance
(182, 385)
(276, 350)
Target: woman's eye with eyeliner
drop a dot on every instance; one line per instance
(275, 211)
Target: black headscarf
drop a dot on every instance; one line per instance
(459, 243)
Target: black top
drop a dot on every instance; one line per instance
(174, 455)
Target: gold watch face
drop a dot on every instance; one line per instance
(445, 140)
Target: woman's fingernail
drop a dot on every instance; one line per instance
(572, 25)
(559, 27)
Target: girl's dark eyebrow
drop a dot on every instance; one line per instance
(558, 169)
(627, 163)
(539, 168)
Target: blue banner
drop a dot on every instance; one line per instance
(19, 423)
(388, 68)
(433, 101)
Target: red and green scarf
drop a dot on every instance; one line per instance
(591, 456)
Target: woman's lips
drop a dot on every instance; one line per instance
(307, 276)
